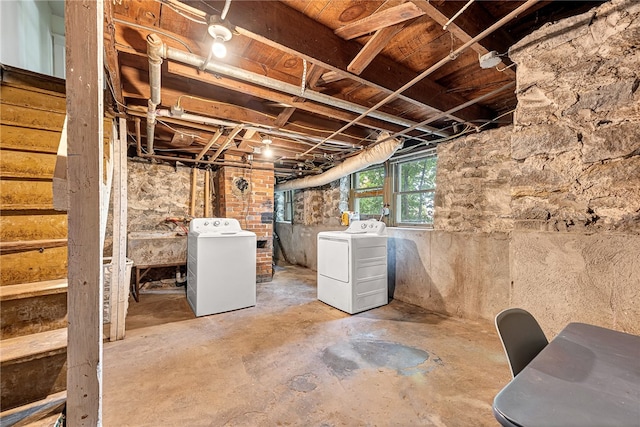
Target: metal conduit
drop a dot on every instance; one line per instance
(247, 76)
(430, 70)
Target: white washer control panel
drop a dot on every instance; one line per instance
(209, 225)
(370, 226)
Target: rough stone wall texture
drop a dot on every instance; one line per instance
(155, 192)
(576, 139)
(322, 205)
(253, 207)
(473, 183)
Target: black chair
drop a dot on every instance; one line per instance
(521, 336)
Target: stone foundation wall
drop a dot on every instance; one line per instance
(544, 214)
(473, 183)
(576, 140)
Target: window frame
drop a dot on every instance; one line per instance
(287, 197)
(360, 193)
(396, 194)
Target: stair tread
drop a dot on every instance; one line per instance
(34, 289)
(32, 346)
(32, 413)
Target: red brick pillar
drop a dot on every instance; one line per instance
(246, 194)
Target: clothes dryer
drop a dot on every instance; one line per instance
(221, 266)
(352, 267)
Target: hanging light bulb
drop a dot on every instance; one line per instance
(220, 33)
(218, 48)
(267, 146)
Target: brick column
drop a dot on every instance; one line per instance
(246, 194)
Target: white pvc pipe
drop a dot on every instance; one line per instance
(371, 156)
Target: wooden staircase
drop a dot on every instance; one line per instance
(33, 251)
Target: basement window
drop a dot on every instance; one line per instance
(368, 192)
(414, 190)
(283, 204)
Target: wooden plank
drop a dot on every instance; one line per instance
(209, 144)
(33, 81)
(28, 415)
(33, 140)
(32, 227)
(33, 266)
(229, 139)
(23, 195)
(33, 289)
(258, 91)
(435, 14)
(194, 184)
(24, 164)
(14, 115)
(268, 22)
(33, 346)
(84, 37)
(29, 245)
(373, 47)
(28, 98)
(377, 21)
(207, 191)
(119, 283)
(284, 117)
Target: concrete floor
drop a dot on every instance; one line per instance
(292, 360)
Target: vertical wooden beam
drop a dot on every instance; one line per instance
(207, 192)
(120, 278)
(84, 62)
(194, 183)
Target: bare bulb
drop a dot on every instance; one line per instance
(267, 151)
(219, 49)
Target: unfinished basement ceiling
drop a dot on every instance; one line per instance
(320, 79)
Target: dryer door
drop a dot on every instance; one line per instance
(333, 258)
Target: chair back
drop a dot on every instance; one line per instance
(521, 336)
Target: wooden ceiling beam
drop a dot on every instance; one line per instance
(373, 47)
(379, 20)
(258, 91)
(284, 117)
(269, 23)
(434, 13)
(111, 54)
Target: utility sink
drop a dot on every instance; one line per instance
(157, 248)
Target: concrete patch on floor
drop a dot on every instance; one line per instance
(345, 357)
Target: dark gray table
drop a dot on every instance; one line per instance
(586, 376)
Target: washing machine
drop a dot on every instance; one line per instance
(221, 266)
(352, 267)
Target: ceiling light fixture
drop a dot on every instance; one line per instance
(220, 33)
(267, 146)
(490, 59)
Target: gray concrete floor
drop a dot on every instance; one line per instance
(292, 360)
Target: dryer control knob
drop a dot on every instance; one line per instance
(206, 223)
(363, 226)
(226, 223)
(216, 223)
(370, 225)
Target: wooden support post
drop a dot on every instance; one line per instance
(119, 278)
(207, 191)
(84, 64)
(194, 184)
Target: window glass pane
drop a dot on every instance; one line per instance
(369, 205)
(372, 178)
(416, 208)
(417, 175)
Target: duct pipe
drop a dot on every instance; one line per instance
(247, 76)
(154, 51)
(371, 156)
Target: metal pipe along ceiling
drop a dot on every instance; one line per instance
(377, 154)
(154, 47)
(247, 76)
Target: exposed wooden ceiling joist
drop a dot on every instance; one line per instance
(379, 20)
